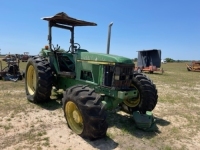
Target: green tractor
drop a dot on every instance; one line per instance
(93, 83)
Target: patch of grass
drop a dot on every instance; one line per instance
(42, 133)
(46, 142)
(9, 119)
(8, 126)
(110, 135)
(166, 147)
(12, 115)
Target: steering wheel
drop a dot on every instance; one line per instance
(74, 47)
(55, 48)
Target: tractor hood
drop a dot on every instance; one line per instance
(100, 57)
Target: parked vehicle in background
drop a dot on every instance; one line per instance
(9, 57)
(163, 61)
(149, 61)
(194, 66)
(11, 71)
(25, 57)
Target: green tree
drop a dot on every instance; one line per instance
(62, 50)
(135, 59)
(169, 60)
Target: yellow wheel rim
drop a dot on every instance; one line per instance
(74, 117)
(133, 102)
(31, 80)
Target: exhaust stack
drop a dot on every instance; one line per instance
(109, 36)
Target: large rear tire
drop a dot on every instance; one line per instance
(84, 112)
(38, 80)
(147, 95)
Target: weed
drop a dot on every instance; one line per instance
(8, 127)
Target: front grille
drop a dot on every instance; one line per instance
(118, 76)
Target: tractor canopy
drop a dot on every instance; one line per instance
(100, 57)
(63, 21)
(63, 18)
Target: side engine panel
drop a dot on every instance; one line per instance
(117, 76)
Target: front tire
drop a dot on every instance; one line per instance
(38, 80)
(84, 112)
(147, 95)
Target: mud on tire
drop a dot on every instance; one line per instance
(38, 80)
(84, 112)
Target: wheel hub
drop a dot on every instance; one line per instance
(76, 116)
(31, 80)
(132, 102)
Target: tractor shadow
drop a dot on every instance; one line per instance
(105, 143)
(54, 103)
(126, 124)
(155, 73)
(51, 105)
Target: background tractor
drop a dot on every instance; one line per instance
(11, 71)
(92, 82)
(25, 57)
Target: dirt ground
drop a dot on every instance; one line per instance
(44, 127)
(24, 125)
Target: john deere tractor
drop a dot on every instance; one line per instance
(93, 83)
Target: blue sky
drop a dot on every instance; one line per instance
(170, 25)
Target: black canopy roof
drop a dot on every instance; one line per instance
(63, 18)
(149, 50)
